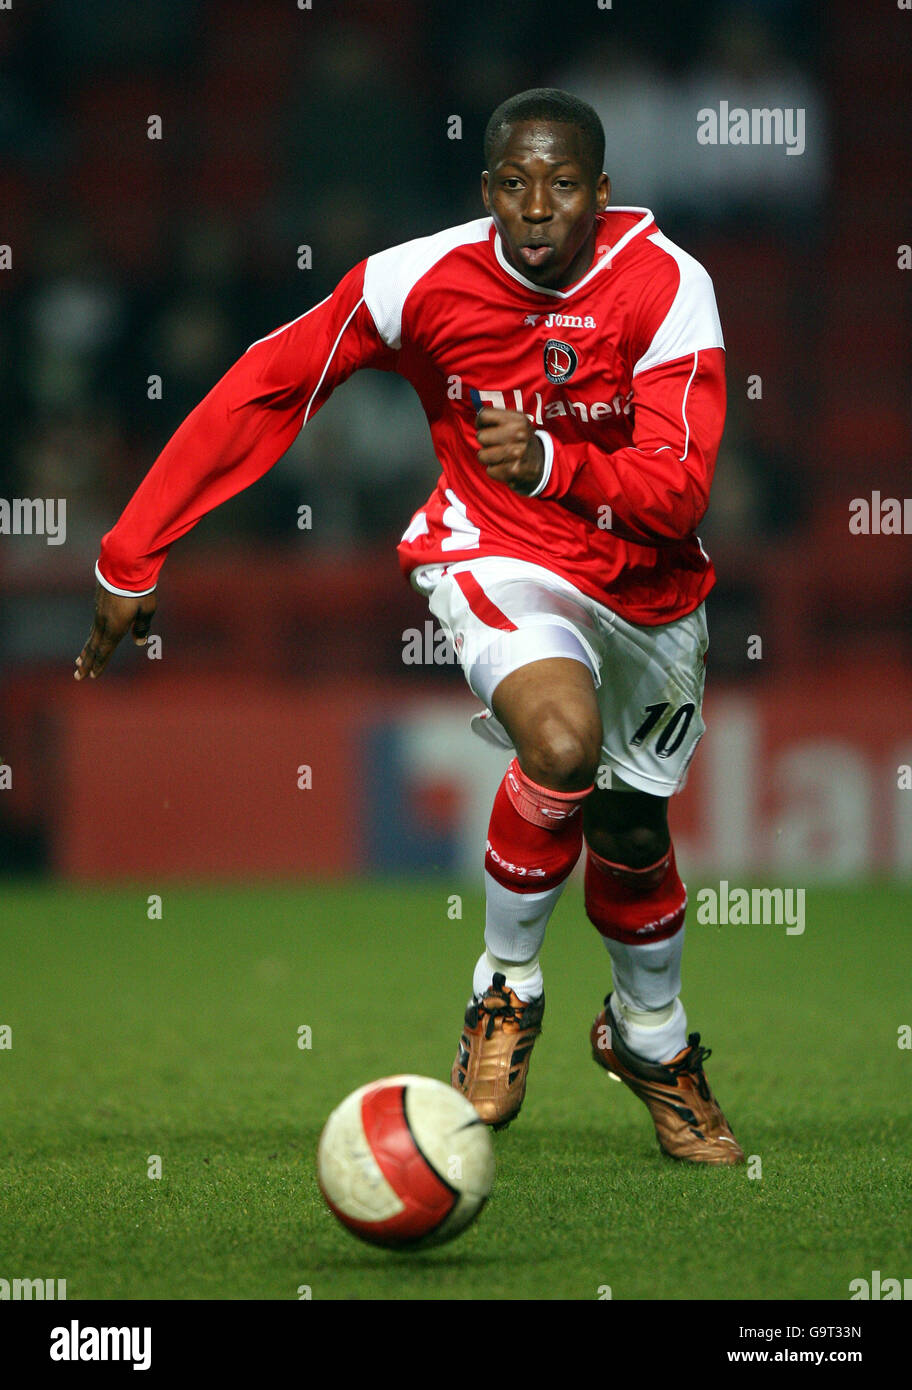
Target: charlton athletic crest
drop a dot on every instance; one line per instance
(560, 361)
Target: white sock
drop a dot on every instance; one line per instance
(514, 932)
(647, 982)
(515, 922)
(655, 1034)
(647, 976)
(524, 978)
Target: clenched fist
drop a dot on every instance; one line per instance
(510, 449)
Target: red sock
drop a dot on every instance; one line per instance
(535, 835)
(635, 905)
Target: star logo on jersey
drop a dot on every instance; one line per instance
(531, 320)
(560, 361)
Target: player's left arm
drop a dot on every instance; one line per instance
(654, 490)
(657, 488)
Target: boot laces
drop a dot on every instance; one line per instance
(496, 1004)
(691, 1064)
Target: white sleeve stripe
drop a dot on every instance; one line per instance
(286, 326)
(124, 593)
(330, 358)
(684, 409)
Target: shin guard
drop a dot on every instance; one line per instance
(635, 905)
(535, 834)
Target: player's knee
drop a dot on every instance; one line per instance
(636, 847)
(562, 755)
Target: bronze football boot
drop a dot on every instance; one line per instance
(688, 1121)
(492, 1060)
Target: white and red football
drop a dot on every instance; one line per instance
(405, 1161)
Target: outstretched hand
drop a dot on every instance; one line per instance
(510, 450)
(114, 615)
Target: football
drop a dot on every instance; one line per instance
(405, 1162)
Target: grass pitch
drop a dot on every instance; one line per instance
(179, 1038)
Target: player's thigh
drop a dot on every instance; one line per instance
(530, 650)
(651, 702)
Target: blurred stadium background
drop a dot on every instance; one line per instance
(135, 259)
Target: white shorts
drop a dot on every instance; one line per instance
(501, 614)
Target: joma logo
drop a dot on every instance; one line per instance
(569, 321)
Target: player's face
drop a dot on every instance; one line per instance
(543, 198)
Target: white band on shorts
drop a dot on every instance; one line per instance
(511, 650)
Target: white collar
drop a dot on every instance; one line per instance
(603, 256)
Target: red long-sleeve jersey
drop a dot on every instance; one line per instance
(622, 374)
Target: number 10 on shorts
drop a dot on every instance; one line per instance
(674, 732)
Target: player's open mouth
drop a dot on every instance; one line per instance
(536, 252)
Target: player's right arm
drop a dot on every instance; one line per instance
(235, 435)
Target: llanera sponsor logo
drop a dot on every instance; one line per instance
(538, 412)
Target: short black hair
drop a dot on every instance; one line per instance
(549, 104)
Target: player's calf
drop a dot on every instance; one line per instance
(636, 901)
(641, 1034)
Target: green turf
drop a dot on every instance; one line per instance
(179, 1038)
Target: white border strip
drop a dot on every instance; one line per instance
(330, 357)
(603, 256)
(548, 443)
(285, 326)
(123, 593)
(684, 409)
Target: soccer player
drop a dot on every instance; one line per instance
(570, 362)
